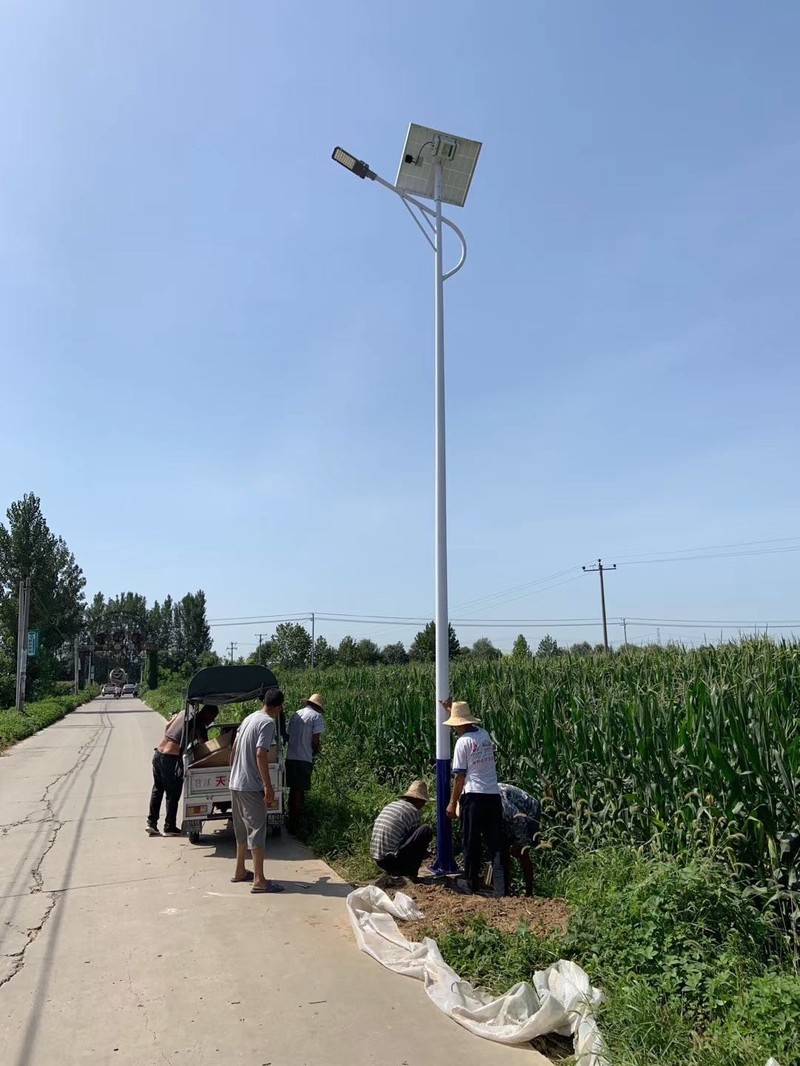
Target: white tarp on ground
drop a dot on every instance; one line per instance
(561, 999)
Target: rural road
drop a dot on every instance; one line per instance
(118, 948)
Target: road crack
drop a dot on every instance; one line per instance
(56, 825)
(145, 1013)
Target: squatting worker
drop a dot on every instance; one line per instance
(475, 785)
(168, 769)
(521, 816)
(252, 793)
(305, 729)
(400, 842)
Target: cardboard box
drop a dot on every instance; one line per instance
(222, 757)
(215, 752)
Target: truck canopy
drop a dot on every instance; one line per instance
(218, 685)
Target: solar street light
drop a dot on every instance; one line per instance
(349, 162)
(434, 166)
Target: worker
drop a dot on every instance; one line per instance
(252, 792)
(400, 842)
(306, 727)
(168, 768)
(476, 789)
(521, 816)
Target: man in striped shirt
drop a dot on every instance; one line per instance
(400, 842)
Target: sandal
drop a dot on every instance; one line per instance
(270, 886)
(249, 875)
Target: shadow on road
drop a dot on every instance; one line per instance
(223, 846)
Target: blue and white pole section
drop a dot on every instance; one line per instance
(445, 863)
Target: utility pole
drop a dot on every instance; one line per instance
(258, 653)
(600, 569)
(77, 663)
(22, 641)
(313, 643)
(232, 649)
(625, 630)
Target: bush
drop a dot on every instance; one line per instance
(15, 727)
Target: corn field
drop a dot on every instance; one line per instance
(665, 747)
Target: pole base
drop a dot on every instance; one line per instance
(444, 863)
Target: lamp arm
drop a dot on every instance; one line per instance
(428, 213)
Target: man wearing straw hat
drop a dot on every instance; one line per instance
(475, 785)
(305, 729)
(400, 842)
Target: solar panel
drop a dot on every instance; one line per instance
(424, 149)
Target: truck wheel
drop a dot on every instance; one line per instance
(194, 837)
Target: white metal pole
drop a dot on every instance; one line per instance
(22, 643)
(444, 860)
(313, 642)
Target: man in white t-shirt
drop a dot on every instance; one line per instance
(251, 788)
(475, 785)
(305, 729)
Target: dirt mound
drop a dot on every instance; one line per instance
(444, 908)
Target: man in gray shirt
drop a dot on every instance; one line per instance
(305, 730)
(252, 793)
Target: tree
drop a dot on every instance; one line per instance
(324, 654)
(582, 648)
(29, 549)
(423, 646)
(484, 649)
(192, 624)
(368, 652)
(394, 654)
(347, 654)
(521, 649)
(291, 645)
(548, 647)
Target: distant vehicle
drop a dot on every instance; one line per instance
(111, 690)
(117, 676)
(130, 690)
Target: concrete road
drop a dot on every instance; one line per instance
(118, 948)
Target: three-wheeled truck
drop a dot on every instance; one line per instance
(206, 765)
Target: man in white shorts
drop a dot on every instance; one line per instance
(252, 793)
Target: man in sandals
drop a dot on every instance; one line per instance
(252, 794)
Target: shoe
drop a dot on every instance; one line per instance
(152, 831)
(173, 831)
(464, 887)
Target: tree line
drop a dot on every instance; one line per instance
(167, 635)
(291, 646)
(118, 630)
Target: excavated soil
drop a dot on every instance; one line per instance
(444, 908)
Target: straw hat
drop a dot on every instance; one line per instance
(460, 714)
(417, 790)
(317, 699)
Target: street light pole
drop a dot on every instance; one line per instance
(445, 861)
(438, 167)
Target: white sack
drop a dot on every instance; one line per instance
(561, 999)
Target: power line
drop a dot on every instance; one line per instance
(483, 601)
(709, 548)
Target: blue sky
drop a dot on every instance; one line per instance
(217, 345)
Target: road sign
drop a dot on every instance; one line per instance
(33, 643)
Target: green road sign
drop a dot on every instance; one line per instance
(33, 643)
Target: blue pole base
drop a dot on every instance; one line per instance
(444, 862)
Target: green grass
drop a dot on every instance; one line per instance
(15, 727)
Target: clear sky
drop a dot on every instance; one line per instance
(217, 344)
